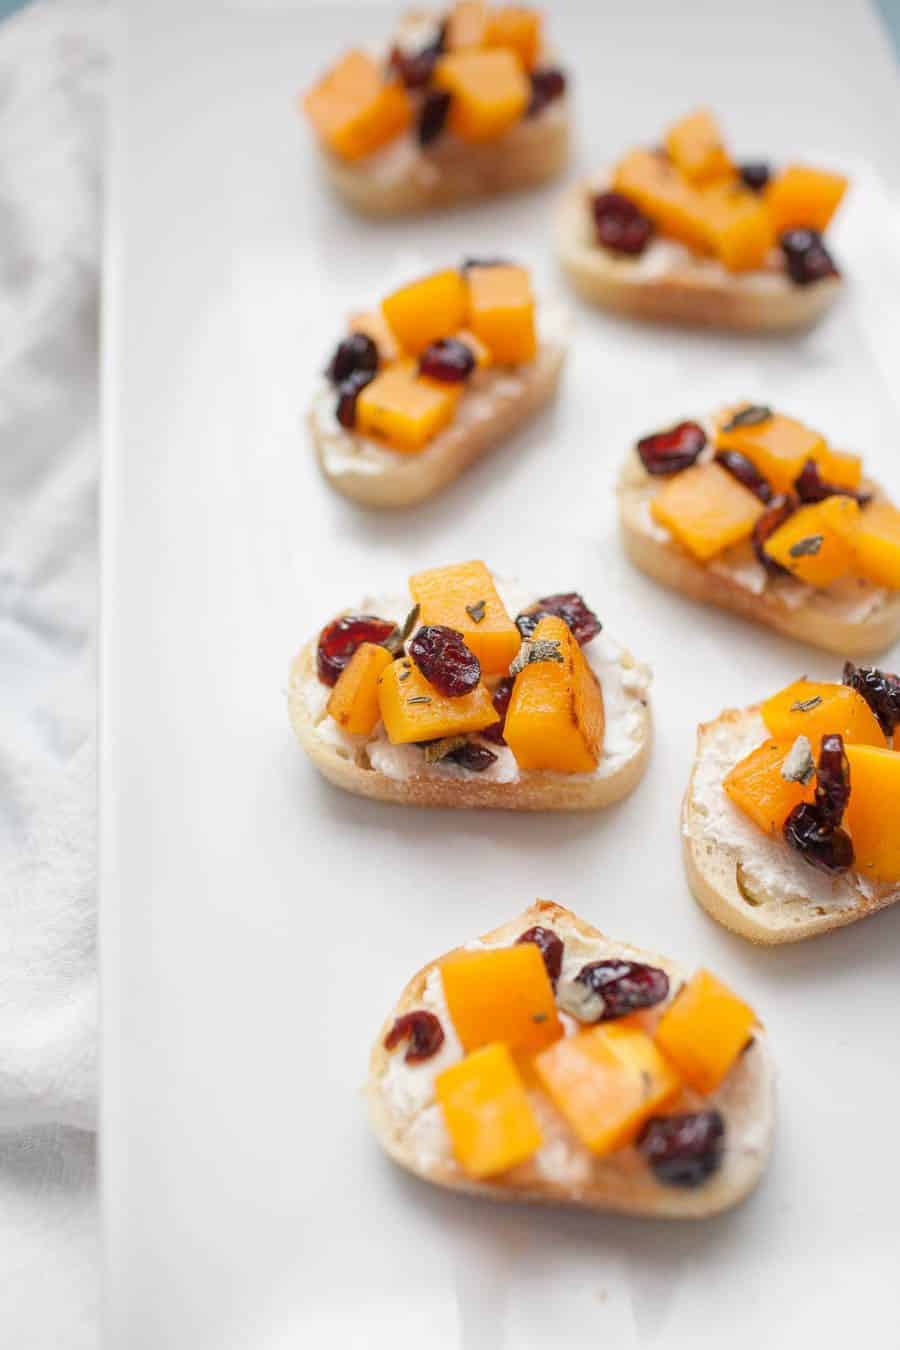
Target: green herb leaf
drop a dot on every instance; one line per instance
(476, 611)
(806, 704)
(420, 698)
(545, 649)
(751, 416)
(808, 547)
(798, 765)
(394, 642)
(438, 750)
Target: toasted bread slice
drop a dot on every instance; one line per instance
(409, 1127)
(748, 881)
(669, 283)
(853, 619)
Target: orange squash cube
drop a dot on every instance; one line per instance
(374, 325)
(800, 197)
(739, 226)
(354, 699)
(606, 1082)
(779, 447)
(466, 24)
(487, 1113)
(501, 994)
(757, 786)
(840, 468)
(403, 408)
(555, 716)
(697, 149)
(673, 204)
(704, 1030)
(876, 544)
(463, 596)
(873, 811)
(706, 509)
(489, 91)
(413, 710)
(354, 110)
(501, 313)
(811, 709)
(815, 544)
(428, 309)
(476, 347)
(516, 27)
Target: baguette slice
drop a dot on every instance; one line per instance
(564, 1172)
(777, 897)
(854, 622)
(669, 284)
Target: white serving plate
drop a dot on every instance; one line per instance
(256, 923)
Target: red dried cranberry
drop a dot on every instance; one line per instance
(781, 508)
(500, 700)
(746, 472)
(570, 606)
(810, 486)
(348, 392)
(672, 450)
(433, 115)
(820, 843)
(339, 639)
(353, 353)
(755, 175)
(684, 1150)
(448, 360)
(832, 779)
(472, 756)
(551, 948)
(444, 659)
(422, 1030)
(624, 986)
(547, 85)
(415, 69)
(806, 257)
(880, 689)
(621, 225)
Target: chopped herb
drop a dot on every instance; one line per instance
(538, 1017)
(808, 547)
(420, 698)
(799, 765)
(394, 641)
(476, 611)
(751, 416)
(545, 649)
(807, 704)
(438, 750)
(405, 673)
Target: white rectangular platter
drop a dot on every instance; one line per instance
(256, 923)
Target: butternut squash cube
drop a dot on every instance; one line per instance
(403, 408)
(876, 544)
(873, 811)
(478, 349)
(375, 325)
(739, 226)
(757, 786)
(413, 710)
(489, 91)
(815, 544)
(501, 994)
(704, 1030)
(463, 596)
(487, 1113)
(779, 447)
(555, 715)
(801, 197)
(706, 509)
(840, 468)
(466, 24)
(516, 27)
(354, 110)
(606, 1082)
(426, 310)
(354, 699)
(696, 147)
(811, 709)
(501, 313)
(672, 203)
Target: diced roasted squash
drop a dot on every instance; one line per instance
(463, 596)
(606, 1082)
(739, 226)
(873, 812)
(706, 509)
(489, 90)
(555, 716)
(403, 408)
(815, 544)
(373, 323)
(355, 110)
(478, 349)
(501, 994)
(810, 709)
(413, 710)
(466, 25)
(501, 313)
(704, 1030)
(757, 786)
(516, 27)
(354, 699)
(426, 310)
(778, 446)
(696, 147)
(839, 468)
(799, 197)
(876, 544)
(671, 202)
(487, 1113)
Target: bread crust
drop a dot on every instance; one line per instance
(621, 1183)
(690, 292)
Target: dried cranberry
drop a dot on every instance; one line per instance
(755, 175)
(448, 360)
(546, 86)
(684, 1150)
(621, 225)
(551, 948)
(353, 353)
(422, 1030)
(500, 700)
(339, 639)
(624, 986)
(672, 450)
(880, 689)
(810, 486)
(806, 257)
(781, 508)
(444, 659)
(472, 756)
(832, 779)
(822, 845)
(746, 472)
(569, 606)
(348, 392)
(433, 115)
(415, 69)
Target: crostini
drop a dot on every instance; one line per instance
(754, 512)
(790, 818)
(683, 233)
(484, 696)
(462, 104)
(446, 368)
(546, 1062)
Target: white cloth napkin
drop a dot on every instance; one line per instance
(52, 63)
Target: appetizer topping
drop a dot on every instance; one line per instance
(779, 446)
(355, 110)
(751, 416)
(755, 174)
(501, 994)
(746, 472)
(339, 639)
(487, 1113)
(704, 1030)
(798, 765)
(823, 845)
(354, 700)
(551, 947)
(472, 756)
(570, 606)
(706, 509)
(412, 709)
(435, 751)
(603, 990)
(801, 198)
(396, 641)
(415, 68)
(759, 786)
(810, 486)
(447, 596)
(407, 412)
(812, 709)
(354, 353)
(500, 700)
(425, 310)
(881, 691)
(806, 257)
(620, 223)
(555, 718)
(546, 86)
(832, 780)
(489, 88)
(780, 509)
(873, 812)
(448, 360)
(684, 1149)
(433, 116)
(876, 544)
(546, 650)
(695, 146)
(501, 313)
(421, 1030)
(444, 659)
(815, 544)
(673, 450)
(348, 394)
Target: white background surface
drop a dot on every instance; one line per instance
(257, 923)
